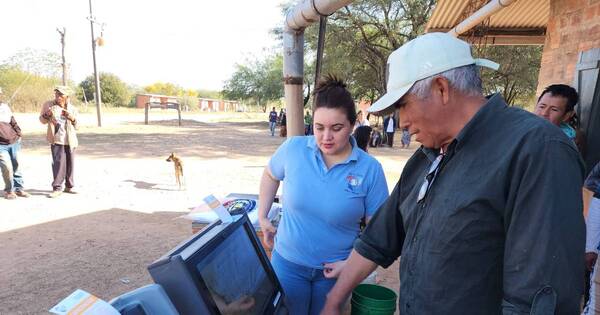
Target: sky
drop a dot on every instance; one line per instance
(192, 43)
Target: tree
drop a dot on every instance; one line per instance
(361, 36)
(258, 80)
(163, 88)
(39, 62)
(113, 90)
(209, 94)
(24, 90)
(517, 77)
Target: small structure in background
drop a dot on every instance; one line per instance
(149, 101)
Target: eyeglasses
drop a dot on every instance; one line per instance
(430, 177)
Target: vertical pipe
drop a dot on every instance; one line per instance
(96, 75)
(320, 49)
(293, 70)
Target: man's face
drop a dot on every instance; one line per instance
(60, 98)
(553, 109)
(423, 118)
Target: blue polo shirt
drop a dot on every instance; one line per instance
(322, 208)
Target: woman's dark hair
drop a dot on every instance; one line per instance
(568, 93)
(331, 92)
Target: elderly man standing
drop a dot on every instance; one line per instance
(60, 116)
(10, 144)
(487, 214)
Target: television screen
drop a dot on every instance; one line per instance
(235, 276)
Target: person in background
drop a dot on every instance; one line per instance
(362, 135)
(405, 138)
(61, 117)
(307, 124)
(272, 121)
(389, 125)
(283, 124)
(329, 186)
(361, 120)
(10, 145)
(556, 104)
(487, 214)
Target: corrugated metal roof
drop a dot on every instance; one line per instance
(520, 14)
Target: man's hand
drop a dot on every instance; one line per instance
(333, 270)
(48, 114)
(590, 260)
(68, 116)
(268, 231)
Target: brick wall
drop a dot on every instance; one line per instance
(573, 26)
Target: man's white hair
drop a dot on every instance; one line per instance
(465, 79)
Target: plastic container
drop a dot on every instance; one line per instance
(372, 299)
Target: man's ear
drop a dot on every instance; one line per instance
(441, 86)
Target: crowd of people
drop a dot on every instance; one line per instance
(487, 215)
(60, 116)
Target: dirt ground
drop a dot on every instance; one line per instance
(126, 213)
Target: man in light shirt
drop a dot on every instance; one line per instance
(60, 116)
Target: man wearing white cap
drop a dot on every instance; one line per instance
(487, 214)
(61, 117)
(10, 145)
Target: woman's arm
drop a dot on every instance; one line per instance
(268, 188)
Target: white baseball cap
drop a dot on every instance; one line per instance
(422, 57)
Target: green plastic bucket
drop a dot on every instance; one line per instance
(372, 299)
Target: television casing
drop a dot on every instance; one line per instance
(175, 271)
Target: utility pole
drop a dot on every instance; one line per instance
(96, 75)
(63, 33)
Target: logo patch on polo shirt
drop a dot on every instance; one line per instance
(354, 182)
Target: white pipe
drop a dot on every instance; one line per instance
(296, 20)
(480, 15)
(307, 12)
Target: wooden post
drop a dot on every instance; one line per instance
(63, 33)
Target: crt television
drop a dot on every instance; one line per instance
(222, 269)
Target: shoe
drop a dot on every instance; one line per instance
(55, 194)
(10, 195)
(22, 193)
(69, 190)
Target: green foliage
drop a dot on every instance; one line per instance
(25, 91)
(113, 91)
(518, 74)
(209, 94)
(257, 80)
(39, 62)
(168, 89)
(361, 36)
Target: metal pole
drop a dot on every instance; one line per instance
(293, 69)
(320, 49)
(96, 75)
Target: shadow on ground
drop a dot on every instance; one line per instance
(44, 263)
(193, 139)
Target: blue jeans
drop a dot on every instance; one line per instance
(9, 165)
(272, 125)
(305, 288)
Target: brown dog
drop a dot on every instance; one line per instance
(178, 168)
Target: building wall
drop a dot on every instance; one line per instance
(573, 27)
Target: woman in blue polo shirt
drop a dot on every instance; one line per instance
(329, 186)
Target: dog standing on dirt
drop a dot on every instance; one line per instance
(178, 169)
